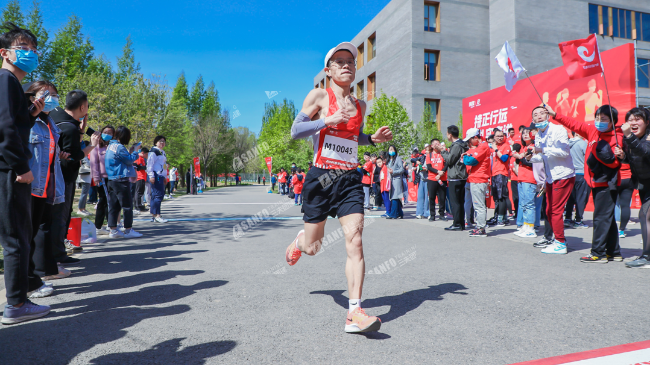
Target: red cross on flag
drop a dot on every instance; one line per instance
(509, 63)
(581, 57)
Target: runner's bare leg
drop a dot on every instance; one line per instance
(310, 242)
(355, 266)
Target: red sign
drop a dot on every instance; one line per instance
(576, 98)
(581, 57)
(269, 163)
(197, 167)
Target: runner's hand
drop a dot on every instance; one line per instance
(383, 134)
(627, 129)
(340, 116)
(26, 178)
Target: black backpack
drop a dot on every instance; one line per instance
(299, 177)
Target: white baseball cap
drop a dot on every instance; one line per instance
(471, 133)
(342, 46)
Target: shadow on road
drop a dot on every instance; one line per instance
(168, 352)
(402, 303)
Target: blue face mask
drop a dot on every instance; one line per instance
(106, 137)
(602, 126)
(50, 104)
(26, 60)
(391, 153)
(541, 125)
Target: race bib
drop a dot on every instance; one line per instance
(337, 148)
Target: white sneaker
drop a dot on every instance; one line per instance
(159, 219)
(103, 231)
(63, 273)
(116, 234)
(418, 216)
(132, 234)
(43, 291)
(83, 213)
(526, 233)
(136, 212)
(556, 248)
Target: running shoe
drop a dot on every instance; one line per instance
(83, 213)
(614, 258)
(593, 259)
(580, 225)
(43, 291)
(293, 253)
(116, 234)
(28, 311)
(478, 232)
(555, 248)
(543, 243)
(641, 262)
(501, 223)
(160, 220)
(568, 223)
(358, 322)
(526, 233)
(418, 216)
(132, 234)
(69, 246)
(621, 234)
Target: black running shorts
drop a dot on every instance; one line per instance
(331, 192)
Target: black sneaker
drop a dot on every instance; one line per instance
(431, 219)
(543, 243)
(69, 260)
(568, 223)
(454, 228)
(491, 222)
(442, 217)
(501, 223)
(478, 232)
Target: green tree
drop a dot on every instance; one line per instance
(12, 13)
(388, 111)
(35, 24)
(214, 142)
(126, 65)
(275, 136)
(196, 98)
(180, 95)
(210, 105)
(427, 129)
(70, 50)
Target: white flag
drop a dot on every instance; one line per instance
(509, 63)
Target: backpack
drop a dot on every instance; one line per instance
(299, 177)
(291, 194)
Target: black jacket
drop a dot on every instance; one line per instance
(70, 142)
(456, 170)
(15, 124)
(637, 152)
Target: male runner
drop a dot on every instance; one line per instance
(333, 186)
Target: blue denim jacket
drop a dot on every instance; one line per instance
(39, 145)
(118, 161)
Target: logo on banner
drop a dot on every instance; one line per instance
(583, 51)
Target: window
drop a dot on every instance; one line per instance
(431, 17)
(615, 22)
(371, 87)
(434, 109)
(322, 84)
(372, 47)
(316, 86)
(360, 90)
(327, 82)
(432, 65)
(360, 57)
(643, 72)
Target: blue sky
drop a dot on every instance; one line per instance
(246, 47)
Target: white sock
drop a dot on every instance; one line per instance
(354, 303)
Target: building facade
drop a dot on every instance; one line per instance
(438, 52)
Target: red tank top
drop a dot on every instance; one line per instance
(338, 145)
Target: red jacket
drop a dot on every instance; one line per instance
(592, 135)
(142, 174)
(297, 185)
(368, 170)
(480, 173)
(385, 182)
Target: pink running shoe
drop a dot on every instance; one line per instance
(293, 253)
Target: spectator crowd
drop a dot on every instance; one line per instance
(47, 151)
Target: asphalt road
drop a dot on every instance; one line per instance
(188, 292)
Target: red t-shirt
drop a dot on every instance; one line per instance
(513, 175)
(384, 180)
(142, 174)
(282, 177)
(368, 170)
(297, 185)
(480, 173)
(500, 167)
(526, 174)
(437, 162)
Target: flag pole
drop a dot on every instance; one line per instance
(611, 117)
(531, 83)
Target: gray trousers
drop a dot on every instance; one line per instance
(478, 200)
(469, 212)
(366, 198)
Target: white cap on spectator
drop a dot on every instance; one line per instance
(471, 133)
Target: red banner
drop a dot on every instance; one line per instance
(269, 164)
(197, 167)
(576, 98)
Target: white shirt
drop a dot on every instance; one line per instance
(156, 163)
(556, 155)
(172, 175)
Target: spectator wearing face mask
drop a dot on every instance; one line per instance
(119, 167)
(100, 178)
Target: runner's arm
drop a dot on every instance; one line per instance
(303, 126)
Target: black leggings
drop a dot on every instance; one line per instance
(102, 205)
(625, 191)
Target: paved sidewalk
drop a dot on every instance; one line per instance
(189, 292)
